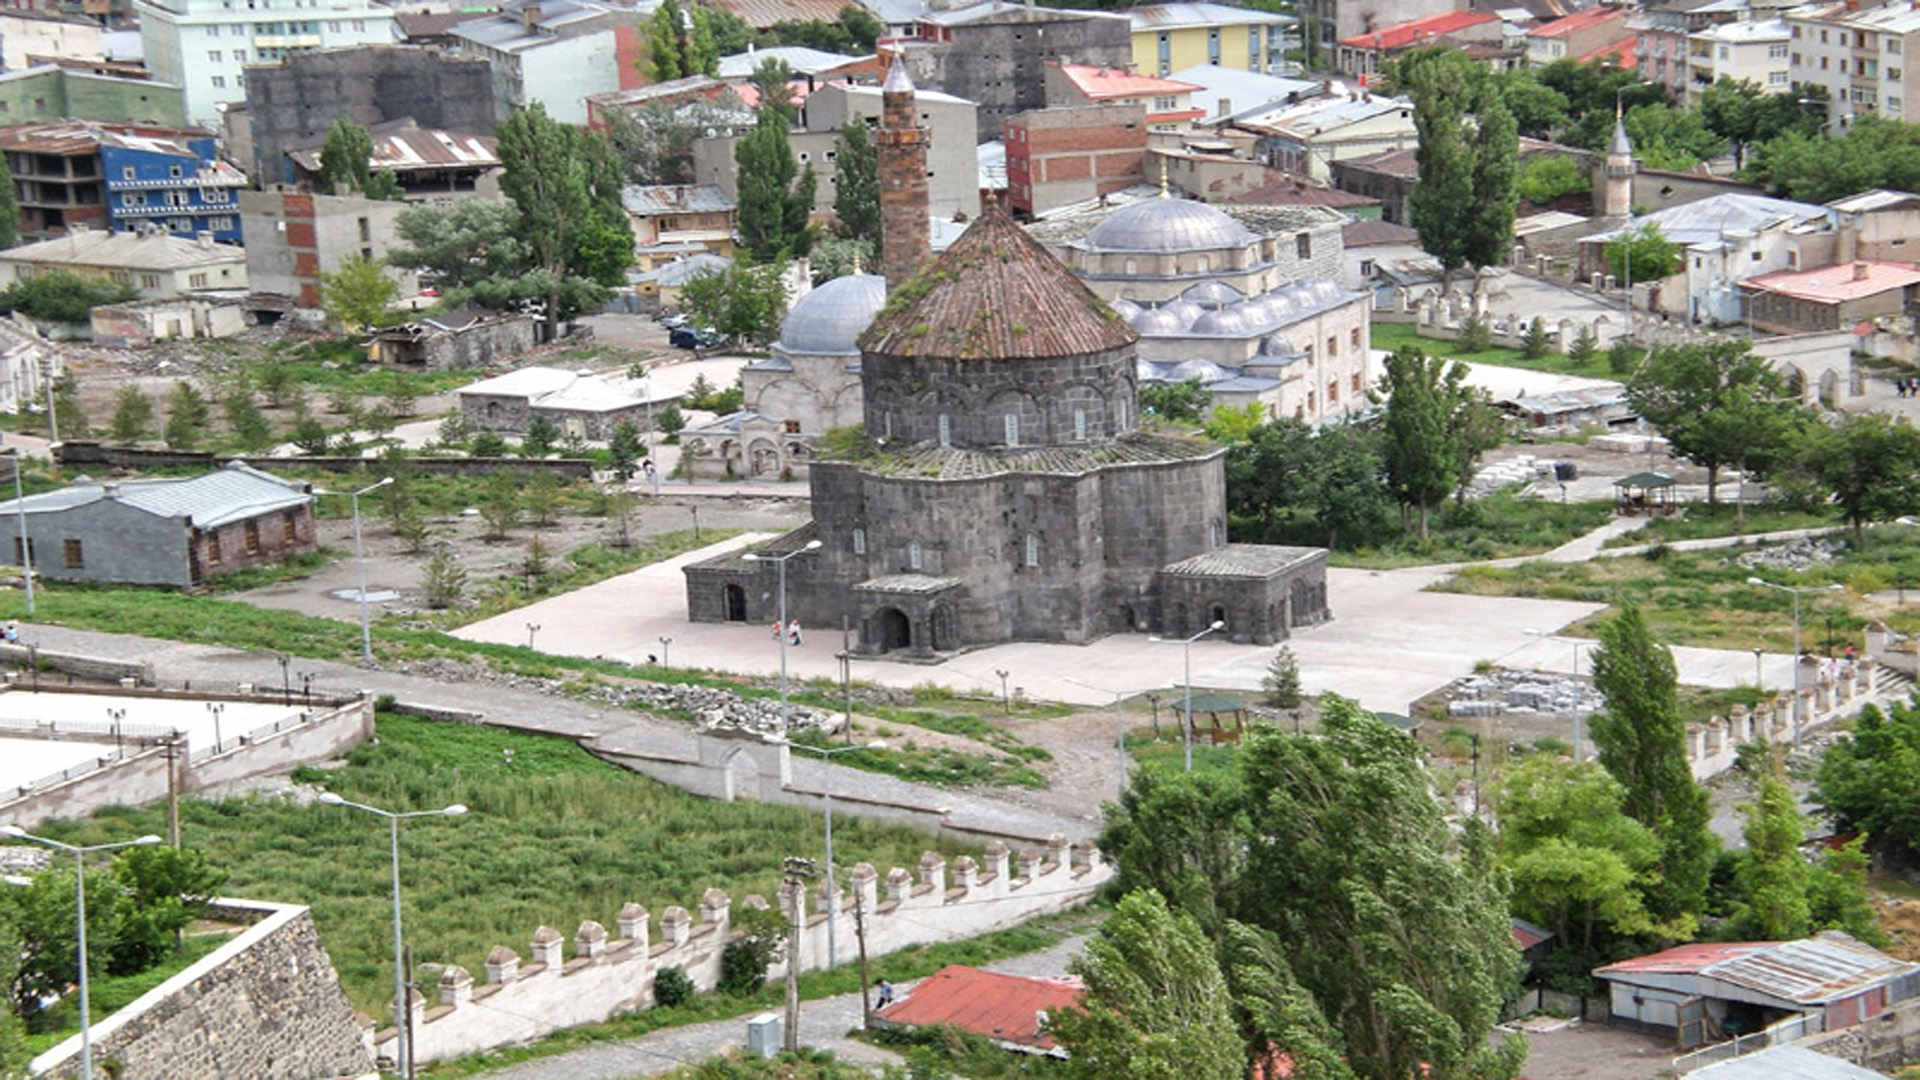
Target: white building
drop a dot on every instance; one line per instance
(158, 265)
(555, 52)
(1750, 51)
(1861, 56)
(204, 46)
(1725, 240)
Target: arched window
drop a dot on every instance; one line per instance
(914, 557)
(1013, 429)
(859, 541)
(1033, 550)
(946, 430)
(1205, 264)
(1079, 424)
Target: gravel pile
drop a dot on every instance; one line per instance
(1794, 555)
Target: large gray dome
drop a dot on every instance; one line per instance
(828, 320)
(1157, 321)
(1167, 225)
(1236, 321)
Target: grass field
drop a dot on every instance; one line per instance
(1391, 336)
(554, 836)
(1701, 522)
(1497, 527)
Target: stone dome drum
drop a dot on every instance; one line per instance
(828, 320)
(1168, 225)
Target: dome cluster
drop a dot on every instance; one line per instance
(1206, 310)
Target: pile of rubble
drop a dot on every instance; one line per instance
(714, 709)
(1505, 692)
(1794, 555)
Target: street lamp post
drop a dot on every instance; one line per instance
(360, 556)
(1186, 722)
(80, 853)
(216, 708)
(666, 651)
(1119, 725)
(826, 797)
(404, 1056)
(781, 634)
(26, 546)
(1795, 592)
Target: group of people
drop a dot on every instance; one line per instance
(792, 630)
(1906, 387)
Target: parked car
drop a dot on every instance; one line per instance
(687, 337)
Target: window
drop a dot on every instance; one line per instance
(134, 198)
(1777, 52)
(196, 281)
(1823, 37)
(1253, 49)
(1726, 52)
(1776, 78)
(253, 537)
(1356, 383)
(289, 526)
(214, 195)
(1893, 105)
(1165, 104)
(1796, 31)
(213, 549)
(1823, 63)
(1213, 46)
(1353, 337)
(1132, 268)
(914, 558)
(366, 231)
(213, 55)
(127, 173)
(1795, 61)
(1079, 424)
(1204, 264)
(149, 281)
(220, 224)
(1312, 404)
(859, 541)
(1303, 246)
(1033, 550)
(946, 430)
(1366, 268)
(1893, 45)
(1166, 53)
(16, 552)
(1333, 346)
(219, 83)
(1013, 429)
(72, 555)
(1333, 391)
(1893, 74)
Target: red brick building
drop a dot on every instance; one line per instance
(1069, 155)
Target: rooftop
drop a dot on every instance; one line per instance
(1812, 971)
(1244, 561)
(761, 14)
(802, 60)
(1242, 89)
(407, 148)
(1838, 283)
(1746, 32)
(930, 462)
(1877, 199)
(1578, 21)
(1006, 1008)
(1407, 34)
(1299, 193)
(125, 251)
(1101, 83)
(1365, 233)
(691, 87)
(1708, 222)
(996, 11)
(233, 493)
(644, 199)
(86, 136)
(1785, 1063)
(1201, 15)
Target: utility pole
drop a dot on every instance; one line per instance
(846, 677)
(860, 934)
(794, 883)
(173, 788)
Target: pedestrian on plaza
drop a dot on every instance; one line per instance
(885, 996)
(1849, 652)
(12, 632)
(778, 629)
(793, 633)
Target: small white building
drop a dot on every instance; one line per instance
(1754, 51)
(580, 404)
(158, 265)
(1724, 240)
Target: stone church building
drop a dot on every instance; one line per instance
(1004, 490)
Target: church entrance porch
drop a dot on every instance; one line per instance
(1260, 593)
(907, 615)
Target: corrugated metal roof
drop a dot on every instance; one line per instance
(1812, 971)
(645, 199)
(1002, 1007)
(1101, 83)
(84, 136)
(1785, 1063)
(125, 251)
(1683, 959)
(1837, 283)
(407, 149)
(233, 493)
(1171, 16)
(1401, 35)
(761, 14)
(1579, 20)
(996, 294)
(802, 60)
(1709, 221)
(1877, 199)
(1243, 561)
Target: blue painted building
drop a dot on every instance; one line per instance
(172, 180)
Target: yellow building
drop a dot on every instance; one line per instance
(1171, 37)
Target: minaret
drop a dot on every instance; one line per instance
(904, 205)
(1616, 193)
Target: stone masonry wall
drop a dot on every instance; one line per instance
(265, 1006)
(608, 975)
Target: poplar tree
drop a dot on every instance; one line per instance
(346, 157)
(565, 187)
(776, 196)
(1419, 452)
(1441, 206)
(856, 184)
(9, 207)
(1496, 169)
(680, 42)
(1642, 740)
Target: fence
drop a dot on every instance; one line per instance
(1792, 1029)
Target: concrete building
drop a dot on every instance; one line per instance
(1661, 31)
(1168, 37)
(660, 287)
(992, 54)
(672, 221)
(294, 103)
(1168, 103)
(1007, 491)
(581, 405)
(1363, 55)
(1324, 23)
(210, 314)
(1372, 251)
(206, 46)
(1754, 51)
(48, 92)
(439, 168)
(953, 168)
(1726, 239)
(687, 91)
(175, 533)
(1837, 297)
(1860, 55)
(1307, 138)
(26, 36)
(1878, 225)
(1227, 92)
(1578, 36)
(471, 337)
(121, 176)
(296, 237)
(157, 265)
(555, 52)
(1057, 157)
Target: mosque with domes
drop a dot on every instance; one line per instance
(1002, 487)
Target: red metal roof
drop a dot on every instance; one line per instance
(1625, 53)
(1686, 959)
(1101, 83)
(1579, 20)
(1838, 283)
(1410, 33)
(1003, 1007)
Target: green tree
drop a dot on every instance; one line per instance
(1581, 352)
(43, 917)
(1645, 250)
(1546, 177)
(459, 246)
(1332, 476)
(346, 159)
(1539, 110)
(655, 141)
(1773, 876)
(775, 197)
(1717, 404)
(1442, 204)
(670, 420)
(1175, 403)
(1496, 156)
(9, 209)
(680, 42)
(772, 82)
(61, 296)
(1642, 740)
(1867, 461)
(1535, 344)
(443, 580)
(856, 176)
(166, 889)
(187, 416)
(1421, 459)
(623, 515)
(245, 422)
(624, 450)
(837, 256)
(741, 301)
(1155, 1005)
(359, 295)
(502, 510)
(1668, 138)
(1280, 686)
(540, 436)
(132, 416)
(1870, 783)
(1873, 152)
(565, 186)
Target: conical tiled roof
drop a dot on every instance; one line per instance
(996, 294)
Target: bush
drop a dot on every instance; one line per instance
(1623, 357)
(1475, 335)
(743, 967)
(672, 986)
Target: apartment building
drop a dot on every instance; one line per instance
(1860, 55)
(1662, 31)
(204, 46)
(1754, 51)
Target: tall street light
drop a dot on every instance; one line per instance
(405, 1055)
(26, 546)
(781, 560)
(80, 854)
(1119, 724)
(1795, 591)
(360, 556)
(826, 796)
(1186, 725)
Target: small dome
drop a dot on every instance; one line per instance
(1158, 321)
(1235, 321)
(1168, 225)
(1278, 346)
(827, 320)
(1146, 370)
(1280, 306)
(1213, 294)
(1185, 310)
(1126, 309)
(1205, 370)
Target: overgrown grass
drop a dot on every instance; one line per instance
(1703, 598)
(1393, 335)
(554, 836)
(1499, 526)
(1703, 522)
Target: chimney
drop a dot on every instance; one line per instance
(530, 16)
(109, 491)
(1226, 104)
(206, 239)
(1860, 271)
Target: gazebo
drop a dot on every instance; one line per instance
(1651, 492)
(1213, 705)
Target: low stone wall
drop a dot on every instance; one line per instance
(96, 455)
(607, 976)
(1884, 1043)
(1828, 691)
(266, 1006)
(98, 669)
